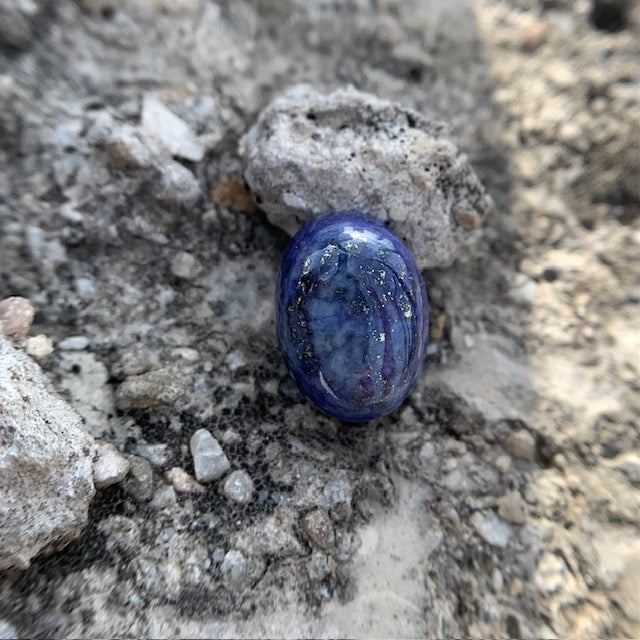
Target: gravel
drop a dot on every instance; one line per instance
(109, 465)
(238, 487)
(209, 460)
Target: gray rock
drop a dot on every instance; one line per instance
(182, 481)
(127, 149)
(46, 481)
(148, 389)
(310, 153)
(494, 530)
(174, 133)
(209, 460)
(163, 498)
(238, 486)
(109, 465)
(185, 266)
(179, 187)
(73, 343)
(511, 508)
(157, 454)
(234, 567)
(521, 444)
(139, 482)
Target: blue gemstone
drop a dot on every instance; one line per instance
(352, 316)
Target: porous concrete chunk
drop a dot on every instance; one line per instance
(238, 486)
(310, 153)
(109, 466)
(174, 133)
(46, 481)
(209, 460)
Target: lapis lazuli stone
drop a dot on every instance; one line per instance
(351, 316)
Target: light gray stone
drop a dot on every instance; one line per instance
(491, 528)
(109, 465)
(139, 483)
(209, 460)
(174, 133)
(310, 153)
(185, 266)
(238, 486)
(18, 21)
(179, 187)
(46, 481)
(73, 343)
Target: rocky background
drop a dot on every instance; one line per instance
(500, 501)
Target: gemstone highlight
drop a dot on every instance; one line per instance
(351, 316)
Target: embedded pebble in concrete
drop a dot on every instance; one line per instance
(521, 444)
(351, 150)
(16, 316)
(182, 482)
(319, 529)
(174, 133)
(179, 187)
(209, 460)
(238, 486)
(148, 389)
(511, 508)
(494, 530)
(139, 483)
(234, 567)
(157, 454)
(73, 343)
(39, 347)
(109, 465)
(185, 266)
(164, 498)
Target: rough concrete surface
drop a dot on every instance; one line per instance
(501, 500)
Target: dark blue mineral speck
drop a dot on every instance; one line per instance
(351, 316)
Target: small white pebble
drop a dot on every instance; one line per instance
(74, 343)
(109, 466)
(39, 347)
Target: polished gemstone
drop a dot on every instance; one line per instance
(351, 316)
